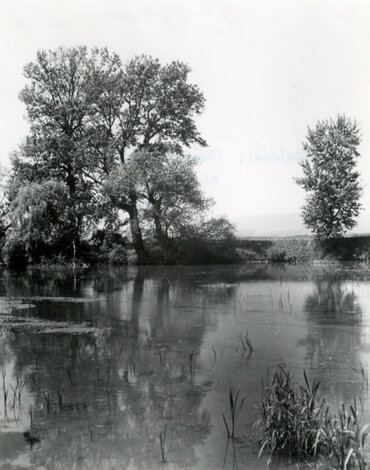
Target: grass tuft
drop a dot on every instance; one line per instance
(234, 411)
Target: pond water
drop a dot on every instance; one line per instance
(95, 368)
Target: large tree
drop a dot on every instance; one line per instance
(89, 115)
(330, 177)
(60, 98)
(152, 109)
(168, 190)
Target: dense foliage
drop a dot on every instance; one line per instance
(106, 154)
(330, 178)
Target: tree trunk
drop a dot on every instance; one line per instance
(130, 207)
(162, 237)
(137, 237)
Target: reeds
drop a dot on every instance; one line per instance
(245, 342)
(295, 422)
(214, 356)
(364, 374)
(163, 445)
(234, 411)
(5, 390)
(345, 440)
(47, 398)
(60, 395)
(191, 363)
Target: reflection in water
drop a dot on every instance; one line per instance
(331, 300)
(334, 334)
(119, 354)
(101, 400)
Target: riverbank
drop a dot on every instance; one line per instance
(303, 249)
(258, 250)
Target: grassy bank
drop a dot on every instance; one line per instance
(303, 249)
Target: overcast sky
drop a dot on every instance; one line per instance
(268, 69)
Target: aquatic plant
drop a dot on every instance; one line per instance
(234, 411)
(246, 342)
(60, 395)
(161, 358)
(47, 401)
(14, 395)
(295, 422)
(291, 415)
(191, 359)
(31, 437)
(214, 356)
(69, 373)
(345, 440)
(364, 374)
(31, 419)
(5, 390)
(17, 391)
(163, 446)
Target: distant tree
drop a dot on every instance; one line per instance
(330, 178)
(215, 231)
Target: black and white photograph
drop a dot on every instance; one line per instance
(184, 234)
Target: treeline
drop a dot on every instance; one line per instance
(103, 173)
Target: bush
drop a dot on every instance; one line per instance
(118, 255)
(15, 253)
(355, 248)
(278, 256)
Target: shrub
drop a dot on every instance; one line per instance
(118, 255)
(15, 253)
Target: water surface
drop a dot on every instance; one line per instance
(95, 367)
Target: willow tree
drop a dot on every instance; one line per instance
(330, 178)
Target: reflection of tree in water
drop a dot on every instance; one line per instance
(332, 301)
(112, 392)
(333, 337)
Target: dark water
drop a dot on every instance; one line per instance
(94, 368)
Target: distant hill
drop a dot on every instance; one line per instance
(270, 225)
(283, 225)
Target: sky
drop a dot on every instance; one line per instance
(268, 70)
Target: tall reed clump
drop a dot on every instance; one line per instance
(345, 440)
(295, 422)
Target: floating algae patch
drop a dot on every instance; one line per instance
(36, 325)
(217, 285)
(8, 306)
(10, 319)
(59, 299)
